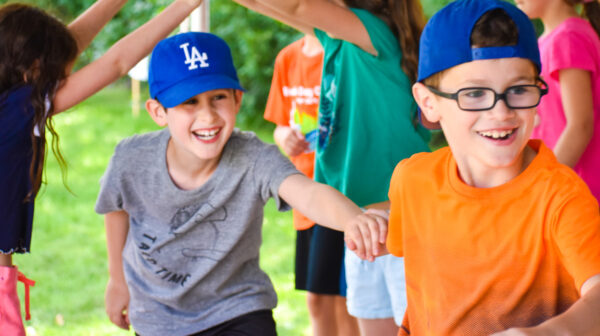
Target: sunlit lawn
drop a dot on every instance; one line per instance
(68, 258)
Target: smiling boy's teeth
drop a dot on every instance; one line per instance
(496, 134)
(207, 133)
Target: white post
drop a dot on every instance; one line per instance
(199, 20)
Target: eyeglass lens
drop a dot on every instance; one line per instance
(521, 96)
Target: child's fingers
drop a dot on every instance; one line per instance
(367, 237)
(354, 242)
(119, 318)
(349, 243)
(374, 233)
(383, 226)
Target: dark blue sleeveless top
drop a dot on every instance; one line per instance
(16, 215)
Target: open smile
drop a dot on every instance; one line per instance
(207, 135)
(497, 134)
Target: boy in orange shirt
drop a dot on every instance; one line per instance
(497, 236)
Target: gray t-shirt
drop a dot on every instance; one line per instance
(191, 256)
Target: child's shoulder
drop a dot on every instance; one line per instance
(422, 167)
(291, 49)
(245, 143)
(245, 137)
(574, 27)
(555, 176)
(142, 144)
(425, 161)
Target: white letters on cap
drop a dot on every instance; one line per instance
(195, 57)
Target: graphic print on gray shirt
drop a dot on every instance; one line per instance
(191, 259)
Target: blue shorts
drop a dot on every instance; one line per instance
(376, 289)
(320, 261)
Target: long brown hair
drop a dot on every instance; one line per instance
(591, 11)
(406, 20)
(36, 50)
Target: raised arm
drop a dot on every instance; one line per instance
(365, 233)
(117, 295)
(258, 7)
(87, 25)
(330, 16)
(122, 56)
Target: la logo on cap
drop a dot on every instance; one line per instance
(195, 57)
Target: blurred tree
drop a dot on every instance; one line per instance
(254, 39)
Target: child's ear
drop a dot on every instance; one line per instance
(427, 102)
(157, 112)
(238, 94)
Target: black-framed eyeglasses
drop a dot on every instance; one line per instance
(483, 99)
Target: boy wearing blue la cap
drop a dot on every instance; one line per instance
(184, 206)
(497, 236)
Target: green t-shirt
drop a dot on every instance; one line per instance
(366, 114)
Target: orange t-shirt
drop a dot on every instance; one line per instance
(294, 101)
(481, 260)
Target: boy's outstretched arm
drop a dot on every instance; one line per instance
(87, 25)
(581, 319)
(116, 298)
(122, 56)
(365, 233)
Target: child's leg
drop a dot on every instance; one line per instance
(11, 322)
(325, 300)
(346, 323)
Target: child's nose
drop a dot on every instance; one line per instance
(206, 114)
(501, 111)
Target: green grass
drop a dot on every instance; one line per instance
(68, 258)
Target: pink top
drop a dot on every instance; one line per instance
(573, 44)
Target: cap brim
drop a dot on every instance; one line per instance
(192, 86)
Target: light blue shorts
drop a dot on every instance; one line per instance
(375, 289)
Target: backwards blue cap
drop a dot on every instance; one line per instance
(446, 39)
(188, 64)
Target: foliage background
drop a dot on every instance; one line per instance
(253, 38)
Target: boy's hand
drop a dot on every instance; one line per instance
(291, 141)
(116, 301)
(366, 234)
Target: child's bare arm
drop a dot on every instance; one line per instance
(337, 20)
(578, 105)
(122, 56)
(582, 318)
(117, 295)
(365, 233)
(87, 25)
(273, 13)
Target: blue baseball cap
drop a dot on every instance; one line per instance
(188, 64)
(446, 39)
